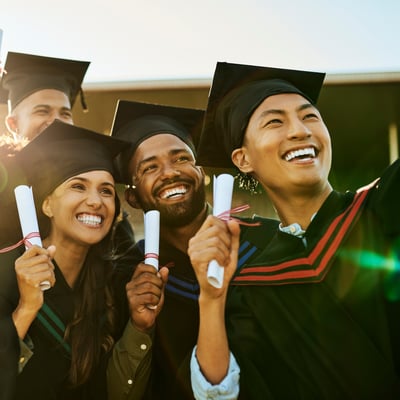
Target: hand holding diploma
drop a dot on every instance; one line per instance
(28, 220)
(222, 194)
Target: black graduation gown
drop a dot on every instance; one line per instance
(45, 375)
(176, 328)
(9, 342)
(177, 325)
(321, 321)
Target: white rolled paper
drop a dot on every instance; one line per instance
(28, 219)
(27, 213)
(151, 237)
(222, 197)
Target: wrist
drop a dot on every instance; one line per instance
(206, 300)
(143, 328)
(26, 310)
(23, 318)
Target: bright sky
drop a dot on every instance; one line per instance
(129, 40)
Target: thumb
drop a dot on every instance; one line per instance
(234, 229)
(52, 251)
(163, 273)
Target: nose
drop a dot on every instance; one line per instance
(94, 199)
(170, 171)
(299, 130)
(48, 122)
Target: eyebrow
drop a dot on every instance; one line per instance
(49, 106)
(82, 179)
(282, 112)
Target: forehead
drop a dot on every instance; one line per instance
(50, 97)
(282, 102)
(95, 176)
(158, 146)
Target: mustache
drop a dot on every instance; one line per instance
(172, 181)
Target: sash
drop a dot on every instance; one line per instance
(53, 326)
(314, 267)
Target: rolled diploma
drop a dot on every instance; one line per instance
(28, 218)
(151, 237)
(222, 194)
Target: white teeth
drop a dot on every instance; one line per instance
(87, 219)
(309, 151)
(173, 192)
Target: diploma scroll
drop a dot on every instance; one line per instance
(28, 220)
(151, 237)
(151, 241)
(222, 197)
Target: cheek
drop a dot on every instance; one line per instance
(144, 188)
(198, 173)
(111, 208)
(35, 128)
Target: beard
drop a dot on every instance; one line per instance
(179, 214)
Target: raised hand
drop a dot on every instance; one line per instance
(215, 240)
(32, 268)
(145, 293)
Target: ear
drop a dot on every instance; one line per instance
(130, 197)
(11, 124)
(46, 208)
(203, 174)
(241, 159)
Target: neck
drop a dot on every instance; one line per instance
(69, 257)
(179, 236)
(299, 208)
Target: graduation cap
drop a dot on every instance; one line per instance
(236, 91)
(28, 73)
(135, 122)
(62, 151)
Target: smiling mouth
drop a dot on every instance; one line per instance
(173, 193)
(300, 154)
(89, 219)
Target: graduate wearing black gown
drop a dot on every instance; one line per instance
(323, 317)
(40, 364)
(313, 314)
(174, 332)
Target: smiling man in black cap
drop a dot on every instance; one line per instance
(314, 315)
(159, 167)
(39, 90)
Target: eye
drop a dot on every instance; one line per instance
(272, 122)
(66, 114)
(311, 116)
(41, 111)
(106, 191)
(183, 159)
(78, 186)
(147, 169)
